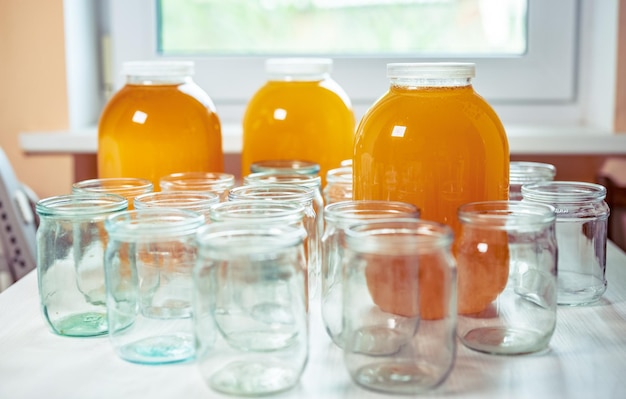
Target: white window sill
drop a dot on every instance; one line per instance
(522, 140)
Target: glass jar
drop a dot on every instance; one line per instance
(390, 345)
(431, 141)
(295, 179)
(510, 244)
(338, 185)
(148, 268)
(300, 195)
(581, 233)
(71, 241)
(521, 173)
(212, 182)
(159, 123)
(338, 216)
(299, 113)
(251, 324)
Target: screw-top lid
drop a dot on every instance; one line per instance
(298, 68)
(432, 70)
(158, 68)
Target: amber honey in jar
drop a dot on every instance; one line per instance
(299, 113)
(159, 123)
(433, 141)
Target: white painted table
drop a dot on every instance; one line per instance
(586, 359)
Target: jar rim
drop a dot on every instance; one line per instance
(245, 211)
(278, 177)
(197, 181)
(81, 204)
(525, 172)
(563, 192)
(506, 214)
(153, 223)
(279, 192)
(341, 175)
(116, 185)
(287, 165)
(192, 200)
(235, 238)
(353, 211)
(398, 237)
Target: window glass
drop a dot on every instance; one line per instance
(380, 28)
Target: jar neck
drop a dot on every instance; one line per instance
(416, 82)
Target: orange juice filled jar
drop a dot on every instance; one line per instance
(300, 113)
(159, 123)
(432, 141)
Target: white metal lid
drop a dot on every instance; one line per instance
(304, 67)
(432, 70)
(158, 68)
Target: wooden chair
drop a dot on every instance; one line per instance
(612, 175)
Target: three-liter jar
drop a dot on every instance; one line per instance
(160, 122)
(433, 141)
(299, 113)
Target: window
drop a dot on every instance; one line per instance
(532, 77)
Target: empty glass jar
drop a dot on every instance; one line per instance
(338, 216)
(148, 267)
(71, 240)
(581, 232)
(398, 337)
(510, 245)
(251, 324)
(521, 173)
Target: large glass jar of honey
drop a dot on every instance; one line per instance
(159, 123)
(432, 141)
(299, 113)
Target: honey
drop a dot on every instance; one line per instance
(159, 123)
(432, 141)
(300, 113)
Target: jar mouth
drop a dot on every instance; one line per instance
(342, 175)
(153, 224)
(353, 211)
(81, 205)
(398, 237)
(506, 214)
(257, 211)
(197, 181)
(277, 192)
(300, 179)
(234, 238)
(122, 186)
(177, 199)
(563, 192)
(286, 166)
(530, 172)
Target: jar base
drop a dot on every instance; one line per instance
(505, 341)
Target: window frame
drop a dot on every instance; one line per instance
(551, 84)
